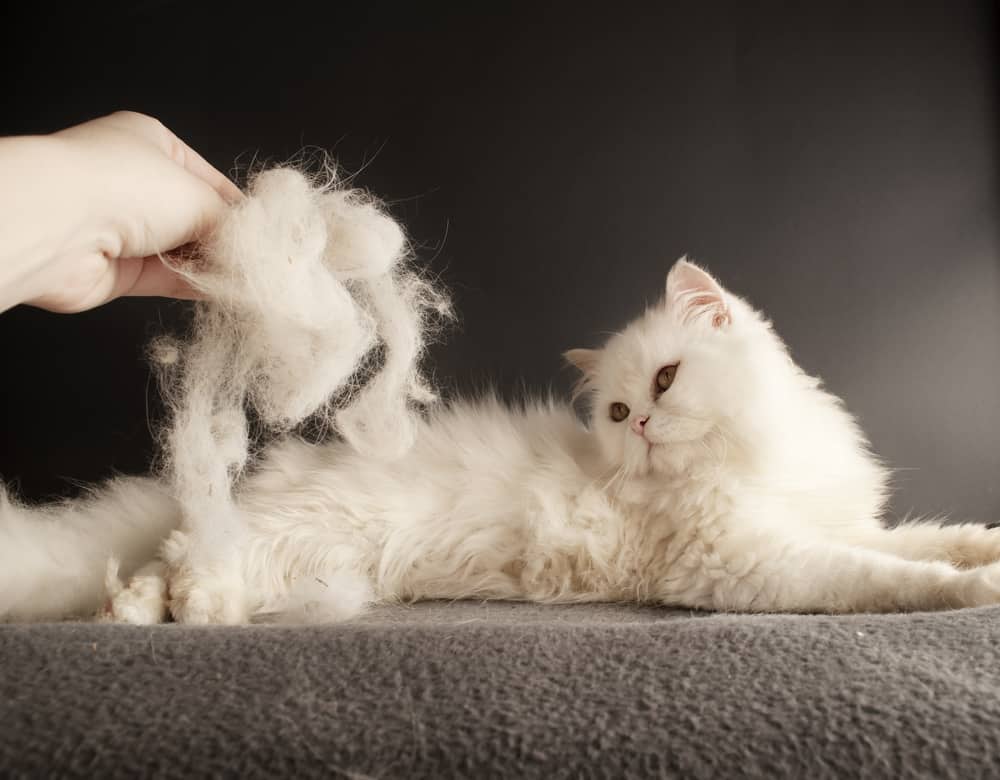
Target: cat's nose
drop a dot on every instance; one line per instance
(639, 424)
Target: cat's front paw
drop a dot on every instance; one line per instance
(204, 590)
(981, 586)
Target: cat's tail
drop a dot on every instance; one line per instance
(53, 558)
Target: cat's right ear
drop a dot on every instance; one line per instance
(585, 360)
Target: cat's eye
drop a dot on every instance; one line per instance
(665, 378)
(619, 411)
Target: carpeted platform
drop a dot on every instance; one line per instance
(513, 690)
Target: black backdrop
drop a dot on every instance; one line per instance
(835, 162)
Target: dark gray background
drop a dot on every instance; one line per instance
(836, 163)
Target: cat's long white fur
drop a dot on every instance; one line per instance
(748, 488)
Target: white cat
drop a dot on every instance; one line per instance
(713, 474)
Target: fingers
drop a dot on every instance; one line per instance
(151, 277)
(196, 164)
(178, 151)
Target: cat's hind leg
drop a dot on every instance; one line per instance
(964, 545)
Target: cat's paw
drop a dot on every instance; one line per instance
(202, 590)
(143, 602)
(981, 587)
(969, 545)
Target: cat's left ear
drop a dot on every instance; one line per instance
(693, 292)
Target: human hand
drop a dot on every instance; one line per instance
(108, 197)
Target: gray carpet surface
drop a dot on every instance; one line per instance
(468, 689)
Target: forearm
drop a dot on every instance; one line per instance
(45, 213)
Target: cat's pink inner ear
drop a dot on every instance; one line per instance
(693, 291)
(585, 360)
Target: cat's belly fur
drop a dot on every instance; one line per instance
(487, 503)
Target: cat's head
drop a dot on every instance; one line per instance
(692, 377)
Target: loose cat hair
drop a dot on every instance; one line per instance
(711, 472)
(302, 281)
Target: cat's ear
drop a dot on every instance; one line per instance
(693, 292)
(585, 360)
